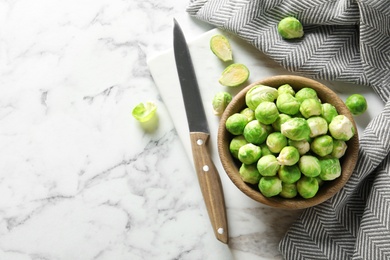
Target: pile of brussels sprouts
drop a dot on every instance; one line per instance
(288, 142)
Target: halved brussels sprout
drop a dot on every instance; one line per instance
(234, 75)
(220, 46)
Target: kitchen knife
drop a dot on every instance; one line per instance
(209, 179)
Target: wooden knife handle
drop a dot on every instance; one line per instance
(210, 184)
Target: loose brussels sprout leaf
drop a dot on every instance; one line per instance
(322, 145)
(236, 123)
(357, 104)
(309, 166)
(341, 128)
(286, 88)
(330, 169)
(234, 75)
(144, 112)
(287, 104)
(255, 132)
(258, 94)
(220, 102)
(220, 46)
(249, 153)
(276, 142)
(249, 113)
(339, 148)
(289, 173)
(279, 121)
(306, 93)
(303, 146)
(310, 107)
(236, 143)
(270, 186)
(249, 173)
(307, 187)
(328, 112)
(268, 165)
(289, 190)
(318, 126)
(266, 112)
(296, 129)
(290, 28)
(289, 155)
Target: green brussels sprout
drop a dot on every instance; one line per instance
(330, 169)
(249, 153)
(144, 112)
(264, 149)
(307, 187)
(309, 165)
(236, 143)
(303, 146)
(270, 186)
(322, 145)
(249, 113)
(318, 126)
(266, 112)
(306, 93)
(268, 165)
(289, 173)
(289, 155)
(236, 123)
(279, 121)
(255, 132)
(287, 104)
(258, 94)
(339, 148)
(341, 128)
(220, 102)
(328, 112)
(276, 141)
(290, 28)
(296, 129)
(249, 173)
(310, 107)
(286, 88)
(357, 104)
(289, 190)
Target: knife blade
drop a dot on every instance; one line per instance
(208, 176)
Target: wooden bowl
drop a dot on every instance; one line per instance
(329, 188)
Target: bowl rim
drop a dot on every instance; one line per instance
(348, 161)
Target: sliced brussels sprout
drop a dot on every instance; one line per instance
(234, 75)
(220, 46)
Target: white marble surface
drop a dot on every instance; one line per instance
(79, 177)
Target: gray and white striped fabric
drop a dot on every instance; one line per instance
(345, 40)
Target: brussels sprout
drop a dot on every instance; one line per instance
(249, 173)
(357, 104)
(279, 121)
(296, 129)
(289, 155)
(341, 128)
(322, 145)
(236, 123)
(249, 113)
(220, 102)
(309, 166)
(310, 107)
(330, 169)
(339, 148)
(289, 173)
(270, 186)
(144, 112)
(266, 112)
(287, 104)
(303, 146)
(290, 28)
(236, 143)
(258, 94)
(234, 75)
(306, 93)
(286, 88)
(276, 141)
(249, 153)
(264, 149)
(318, 126)
(220, 46)
(289, 190)
(307, 187)
(255, 132)
(268, 165)
(328, 112)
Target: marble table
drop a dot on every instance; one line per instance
(79, 177)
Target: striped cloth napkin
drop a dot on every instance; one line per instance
(345, 40)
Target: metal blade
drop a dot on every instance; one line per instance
(196, 116)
